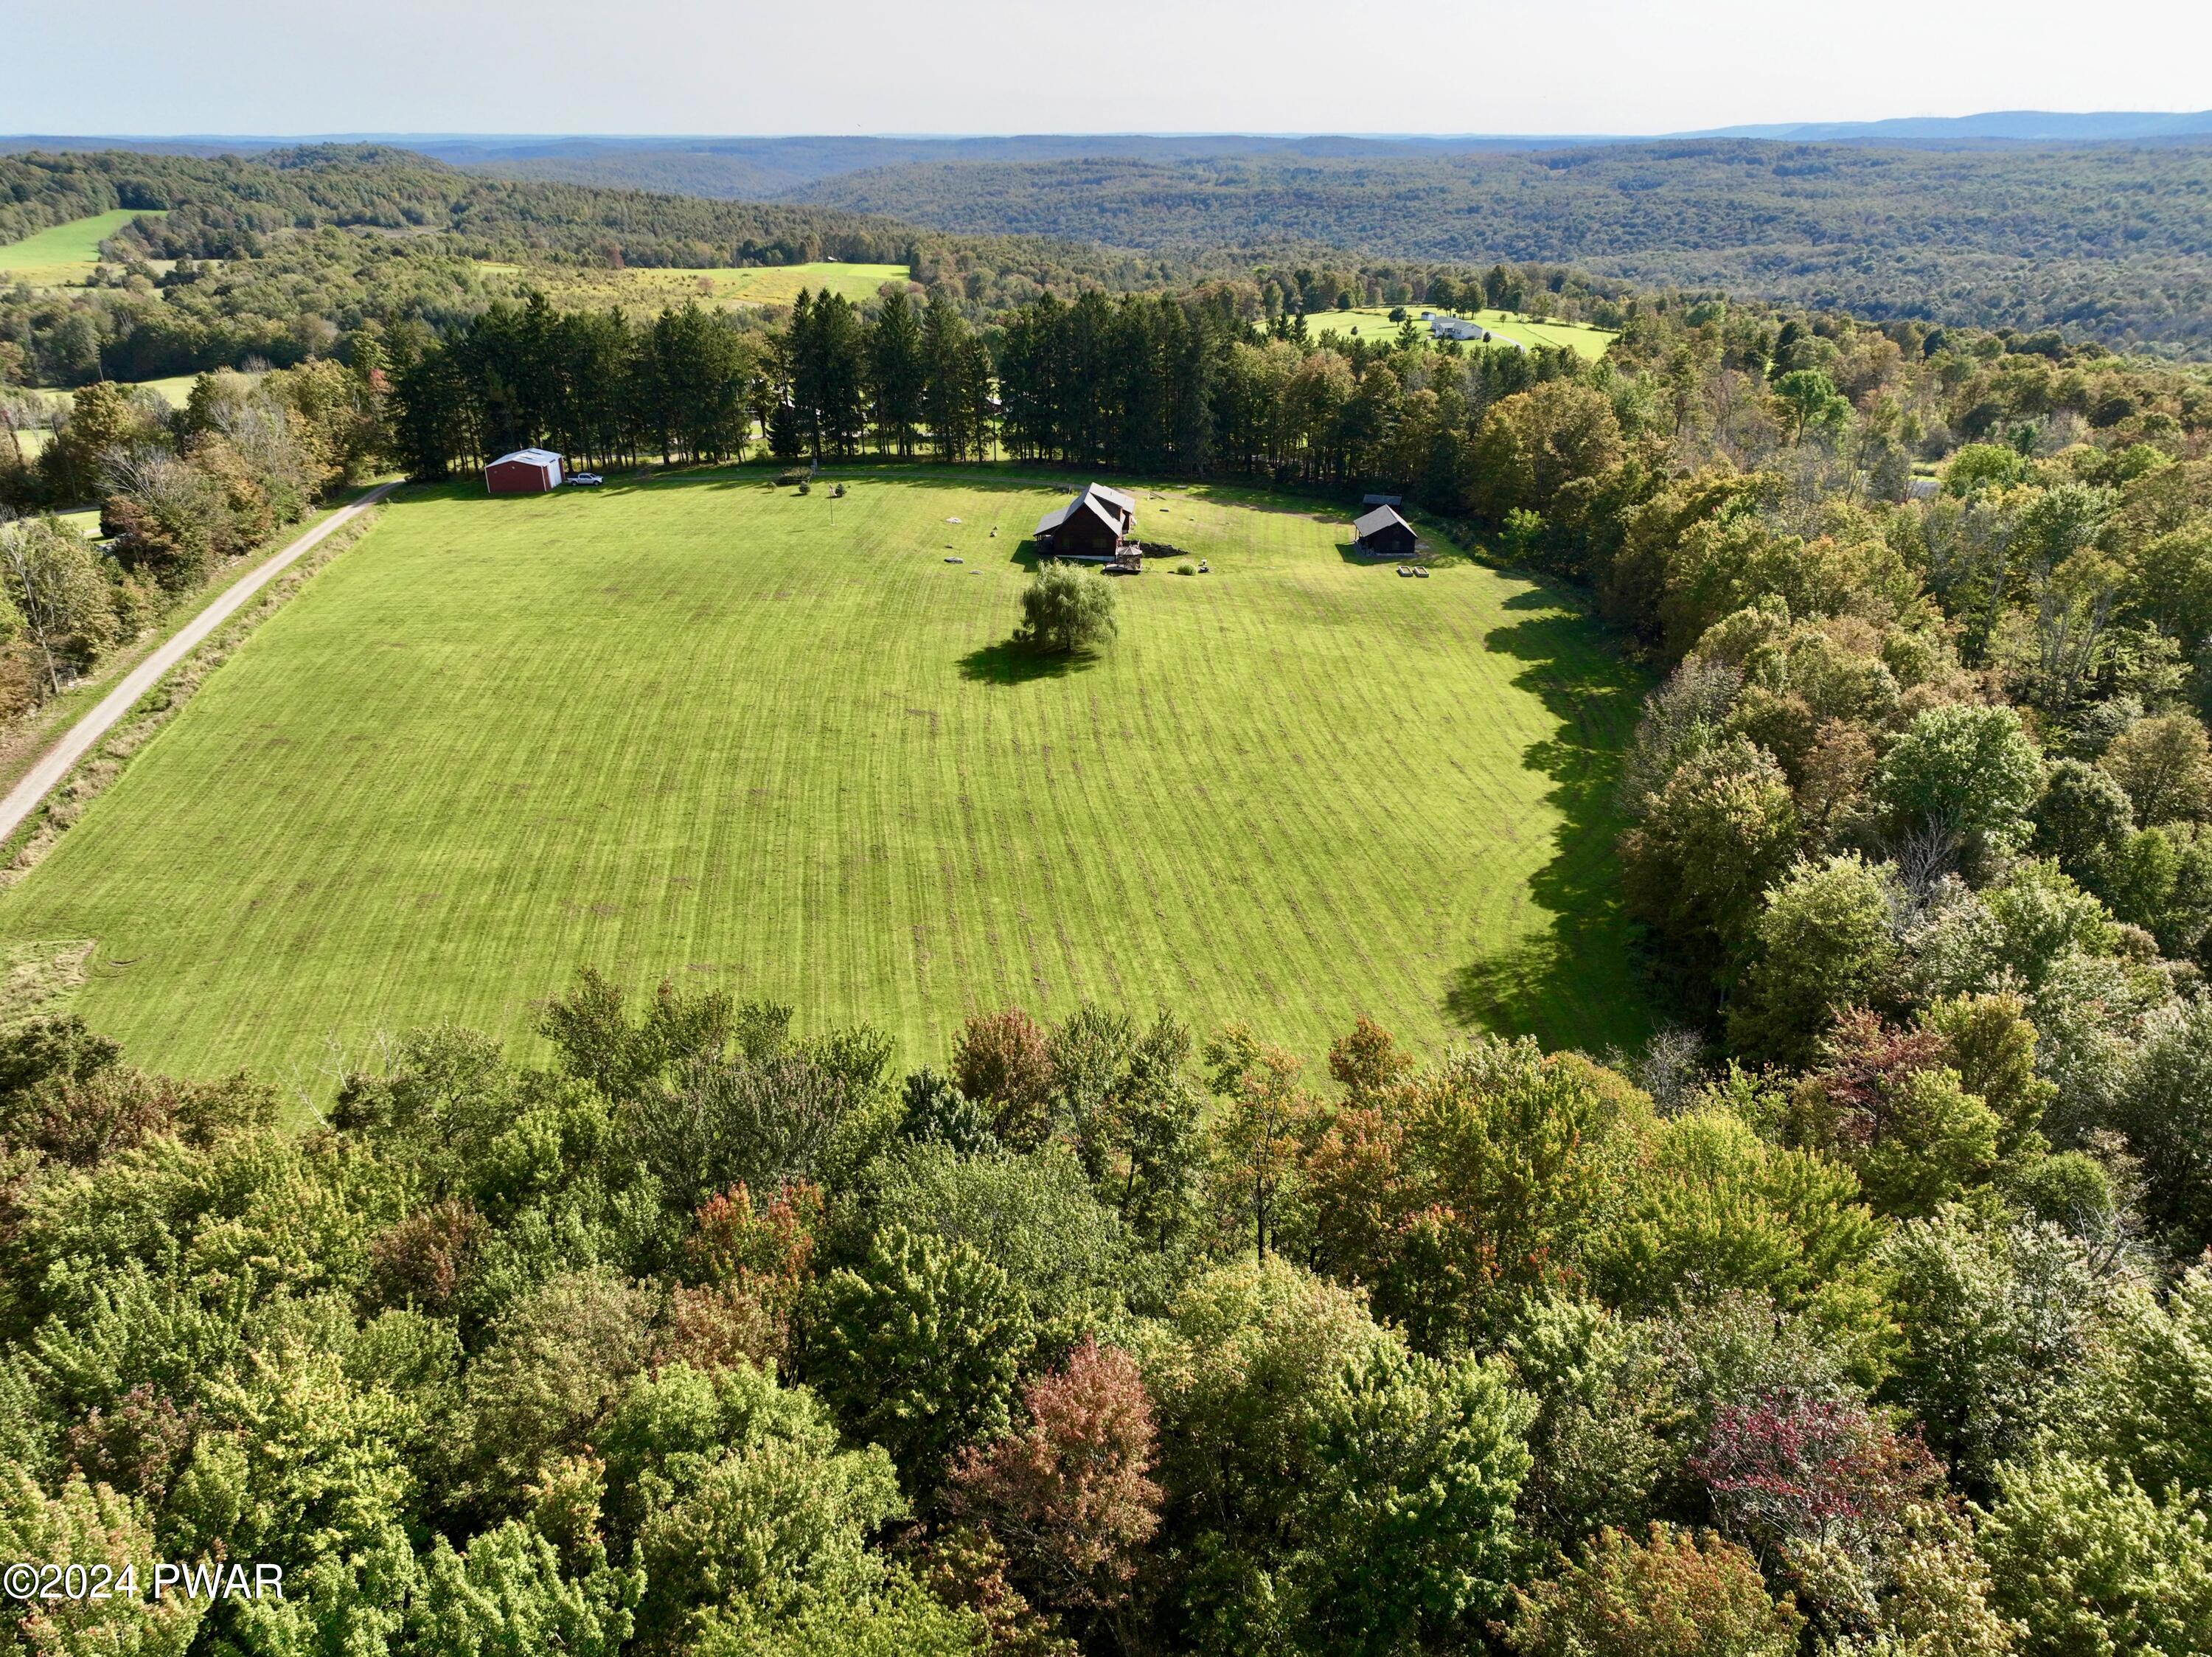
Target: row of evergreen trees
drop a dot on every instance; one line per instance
(1156, 383)
(694, 385)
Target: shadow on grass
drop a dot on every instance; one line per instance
(1578, 982)
(1009, 663)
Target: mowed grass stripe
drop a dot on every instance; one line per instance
(742, 737)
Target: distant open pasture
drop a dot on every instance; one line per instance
(778, 744)
(64, 253)
(648, 290)
(1372, 322)
(175, 390)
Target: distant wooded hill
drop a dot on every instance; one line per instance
(2110, 239)
(230, 207)
(2026, 219)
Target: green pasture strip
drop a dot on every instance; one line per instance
(648, 289)
(63, 247)
(1371, 323)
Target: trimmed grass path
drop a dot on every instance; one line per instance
(79, 740)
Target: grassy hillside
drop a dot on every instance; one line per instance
(775, 743)
(175, 390)
(65, 252)
(649, 291)
(1372, 322)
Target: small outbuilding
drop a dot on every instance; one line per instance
(525, 472)
(1092, 529)
(1384, 533)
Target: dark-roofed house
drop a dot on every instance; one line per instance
(1091, 527)
(525, 472)
(1383, 532)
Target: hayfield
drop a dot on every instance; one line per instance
(64, 253)
(705, 727)
(647, 290)
(175, 390)
(1372, 322)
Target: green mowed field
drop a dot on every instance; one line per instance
(175, 389)
(646, 290)
(65, 252)
(1581, 337)
(1373, 322)
(774, 743)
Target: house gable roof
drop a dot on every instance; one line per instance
(1109, 506)
(536, 457)
(1382, 518)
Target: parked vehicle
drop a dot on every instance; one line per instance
(585, 480)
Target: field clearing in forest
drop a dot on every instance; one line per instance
(706, 728)
(65, 254)
(646, 291)
(1372, 322)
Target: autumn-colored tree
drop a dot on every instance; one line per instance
(1367, 1059)
(1884, 1100)
(750, 1264)
(1787, 1472)
(766, 1246)
(1673, 1594)
(1068, 1496)
(1003, 1060)
(1267, 1124)
(423, 1260)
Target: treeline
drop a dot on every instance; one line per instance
(180, 493)
(693, 386)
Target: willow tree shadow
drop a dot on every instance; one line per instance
(1578, 982)
(1008, 662)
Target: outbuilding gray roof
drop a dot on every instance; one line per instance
(1087, 502)
(1382, 518)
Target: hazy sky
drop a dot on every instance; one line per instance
(735, 66)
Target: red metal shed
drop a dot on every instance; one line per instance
(525, 472)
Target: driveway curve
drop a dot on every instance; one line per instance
(81, 738)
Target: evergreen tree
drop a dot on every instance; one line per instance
(896, 375)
